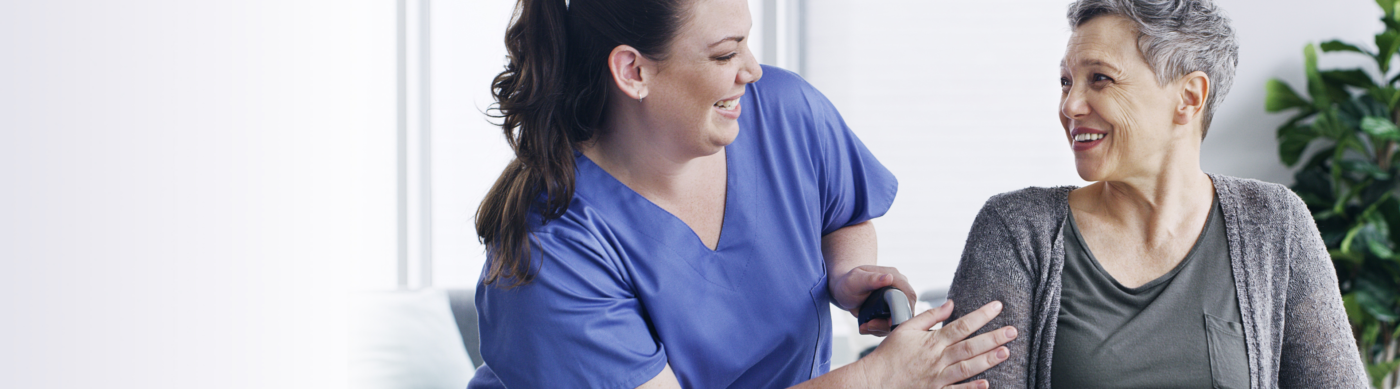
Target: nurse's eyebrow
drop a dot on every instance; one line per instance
(735, 38)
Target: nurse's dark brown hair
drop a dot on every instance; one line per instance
(550, 97)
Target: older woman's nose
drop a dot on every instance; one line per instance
(1073, 105)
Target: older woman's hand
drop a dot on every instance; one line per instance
(916, 356)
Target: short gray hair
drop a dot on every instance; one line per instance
(1176, 37)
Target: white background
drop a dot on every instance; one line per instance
(189, 188)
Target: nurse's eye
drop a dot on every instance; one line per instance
(726, 57)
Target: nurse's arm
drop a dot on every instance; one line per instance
(664, 380)
(852, 272)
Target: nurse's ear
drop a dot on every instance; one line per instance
(631, 71)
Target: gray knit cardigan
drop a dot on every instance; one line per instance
(1296, 330)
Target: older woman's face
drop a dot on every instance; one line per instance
(1117, 119)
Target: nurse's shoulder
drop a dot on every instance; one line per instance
(785, 91)
(576, 240)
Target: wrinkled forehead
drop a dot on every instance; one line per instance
(1106, 39)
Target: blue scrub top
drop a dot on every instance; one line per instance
(624, 287)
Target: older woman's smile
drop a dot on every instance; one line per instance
(1085, 138)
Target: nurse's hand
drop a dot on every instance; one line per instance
(914, 356)
(851, 289)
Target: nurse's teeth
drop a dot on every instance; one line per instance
(1087, 137)
(727, 104)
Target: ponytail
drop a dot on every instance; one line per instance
(550, 97)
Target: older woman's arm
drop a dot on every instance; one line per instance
(995, 268)
(1318, 349)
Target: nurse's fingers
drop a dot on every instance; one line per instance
(966, 369)
(978, 345)
(895, 279)
(877, 327)
(902, 283)
(978, 384)
(871, 278)
(852, 288)
(966, 325)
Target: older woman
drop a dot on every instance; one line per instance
(1157, 274)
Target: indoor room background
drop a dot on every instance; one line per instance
(189, 189)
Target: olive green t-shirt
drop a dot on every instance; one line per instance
(1181, 330)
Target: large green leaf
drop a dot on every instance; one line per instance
(1370, 106)
(1376, 308)
(1292, 140)
(1349, 77)
(1329, 125)
(1380, 128)
(1279, 96)
(1387, 5)
(1354, 313)
(1378, 371)
(1313, 183)
(1316, 87)
(1386, 43)
(1375, 235)
(1376, 293)
(1387, 94)
(1336, 45)
(1389, 208)
(1352, 258)
(1349, 113)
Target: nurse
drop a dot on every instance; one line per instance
(679, 216)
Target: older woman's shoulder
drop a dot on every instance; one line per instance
(1033, 208)
(1251, 197)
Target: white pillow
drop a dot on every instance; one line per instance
(405, 339)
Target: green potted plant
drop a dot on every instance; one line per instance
(1344, 133)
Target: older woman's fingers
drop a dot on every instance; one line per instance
(971, 367)
(978, 345)
(957, 330)
(978, 384)
(925, 321)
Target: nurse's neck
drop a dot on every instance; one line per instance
(654, 158)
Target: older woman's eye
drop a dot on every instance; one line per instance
(1100, 77)
(1064, 82)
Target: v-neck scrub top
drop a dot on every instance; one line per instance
(623, 287)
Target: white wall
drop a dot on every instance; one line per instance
(185, 188)
(468, 151)
(960, 99)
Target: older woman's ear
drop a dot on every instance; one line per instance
(1195, 88)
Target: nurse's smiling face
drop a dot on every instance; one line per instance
(693, 98)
